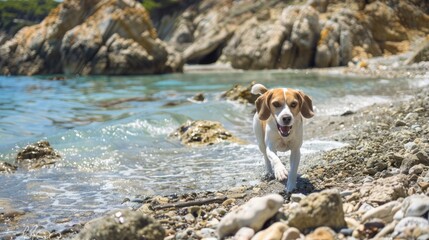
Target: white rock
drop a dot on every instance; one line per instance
(252, 214)
(346, 193)
(411, 222)
(207, 233)
(365, 207)
(411, 116)
(384, 212)
(213, 223)
(292, 234)
(348, 207)
(413, 206)
(394, 171)
(419, 206)
(293, 205)
(296, 197)
(398, 215)
(245, 233)
(189, 218)
(352, 223)
(273, 232)
(410, 146)
(368, 179)
(416, 169)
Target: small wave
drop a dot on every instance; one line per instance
(420, 82)
(339, 105)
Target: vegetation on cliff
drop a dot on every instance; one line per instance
(157, 4)
(17, 14)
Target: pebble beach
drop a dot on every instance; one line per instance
(376, 187)
(380, 180)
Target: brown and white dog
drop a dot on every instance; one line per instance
(278, 126)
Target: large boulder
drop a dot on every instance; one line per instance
(328, 47)
(339, 38)
(90, 37)
(37, 155)
(6, 167)
(283, 40)
(202, 40)
(123, 224)
(413, 14)
(7, 211)
(301, 36)
(319, 5)
(385, 190)
(241, 94)
(202, 133)
(318, 209)
(421, 54)
(256, 45)
(184, 32)
(207, 45)
(203, 28)
(384, 23)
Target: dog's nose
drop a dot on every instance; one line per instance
(287, 119)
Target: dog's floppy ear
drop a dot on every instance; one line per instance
(262, 106)
(306, 106)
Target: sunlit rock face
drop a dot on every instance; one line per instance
(306, 34)
(90, 37)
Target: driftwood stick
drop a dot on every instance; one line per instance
(191, 203)
(123, 100)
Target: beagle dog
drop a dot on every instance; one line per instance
(278, 126)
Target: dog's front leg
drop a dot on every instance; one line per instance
(268, 166)
(279, 169)
(295, 156)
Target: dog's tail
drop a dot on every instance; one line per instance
(258, 89)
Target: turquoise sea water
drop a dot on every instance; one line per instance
(112, 152)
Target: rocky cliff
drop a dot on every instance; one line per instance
(269, 34)
(90, 37)
(117, 36)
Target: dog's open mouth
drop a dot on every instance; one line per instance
(284, 130)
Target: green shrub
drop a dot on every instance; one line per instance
(15, 14)
(155, 4)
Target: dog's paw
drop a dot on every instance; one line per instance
(280, 172)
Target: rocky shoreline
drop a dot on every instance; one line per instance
(378, 186)
(384, 168)
(375, 187)
(381, 178)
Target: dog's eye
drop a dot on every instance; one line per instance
(276, 104)
(293, 104)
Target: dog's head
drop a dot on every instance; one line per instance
(284, 105)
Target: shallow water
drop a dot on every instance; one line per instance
(112, 152)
